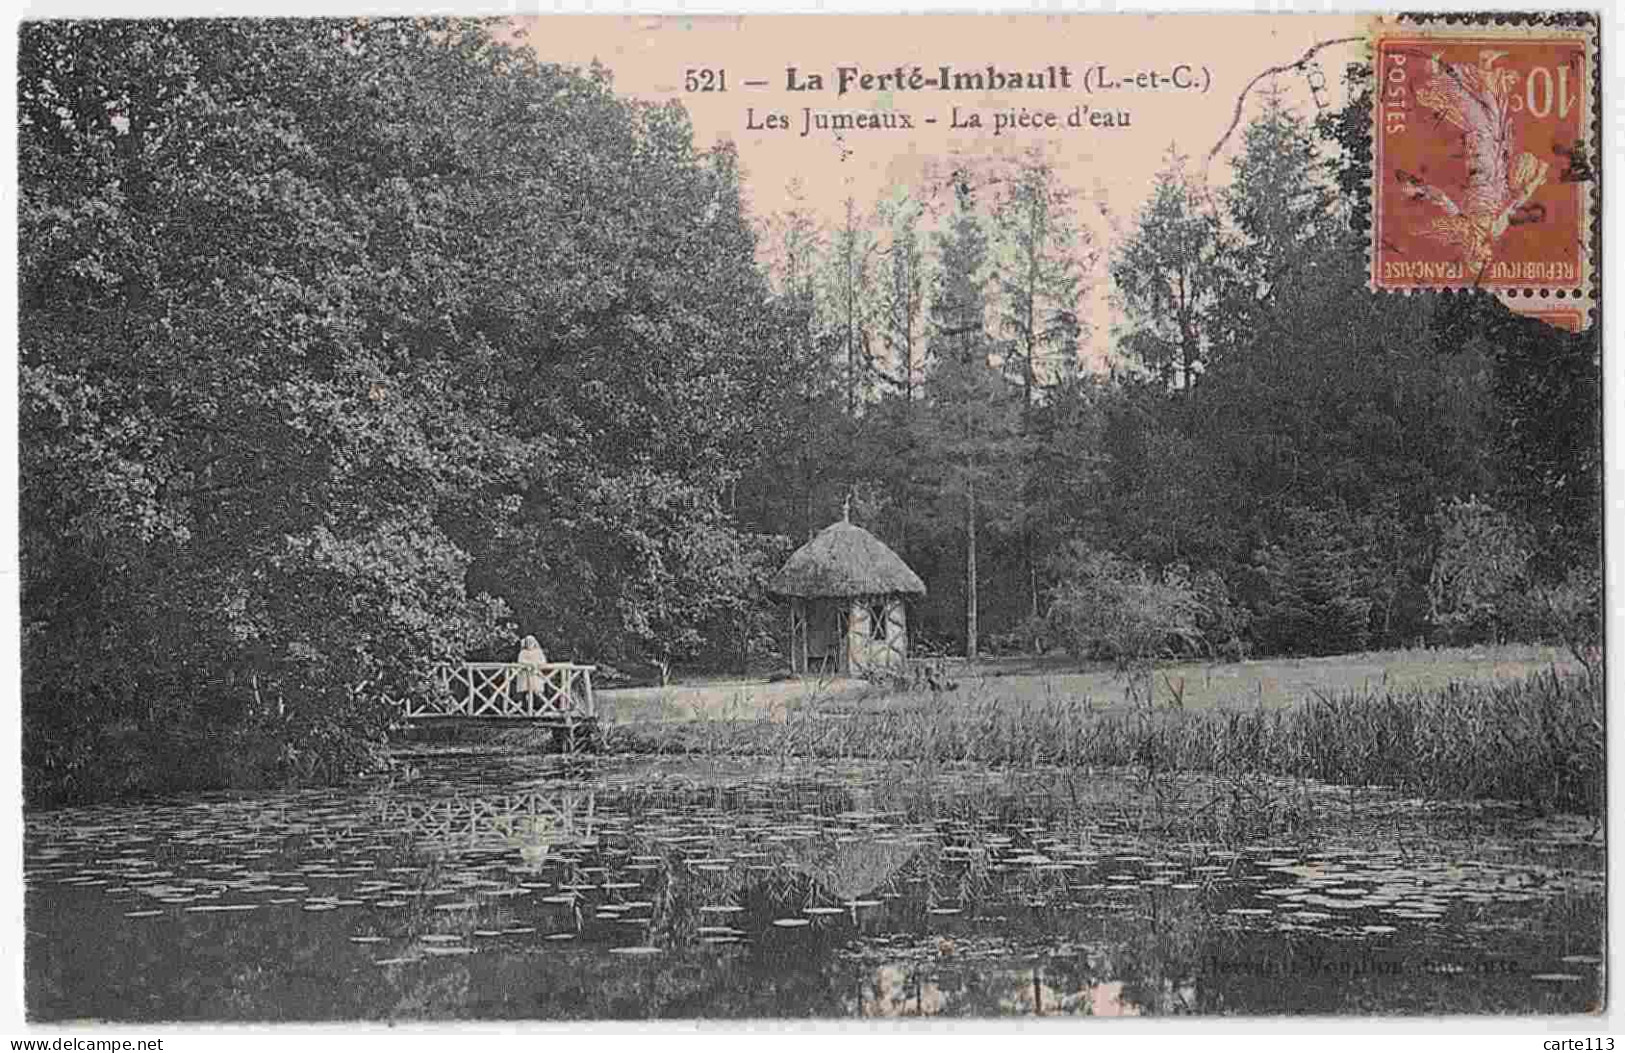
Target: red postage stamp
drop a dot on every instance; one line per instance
(1483, 158)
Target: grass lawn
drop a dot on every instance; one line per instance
(1271, 683)
(725, 699)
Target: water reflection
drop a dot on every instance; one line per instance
(896, 991)
(531, 821)
(499, 887)
(899, 990)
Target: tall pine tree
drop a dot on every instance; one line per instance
(973, 434)
(1041, 255)
(1168, 272)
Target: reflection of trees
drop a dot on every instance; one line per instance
(1059, 986)
(942, 987)
(277, 966)
(1140, 961)
(431, 994)
(1158, 958)
(896, 990)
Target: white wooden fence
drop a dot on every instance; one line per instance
(555, 691)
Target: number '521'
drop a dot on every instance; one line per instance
(705, 80)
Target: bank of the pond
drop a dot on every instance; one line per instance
(133, 760)
(1538, 739)
(1271, 683)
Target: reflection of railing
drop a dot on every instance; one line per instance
(555, 691)
(495, 821)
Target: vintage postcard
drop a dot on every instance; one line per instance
(824, 517)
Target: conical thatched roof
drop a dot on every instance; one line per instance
(845, 560)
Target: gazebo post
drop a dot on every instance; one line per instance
(798, 636)
(848, 638)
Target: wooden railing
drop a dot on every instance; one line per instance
(554, 691)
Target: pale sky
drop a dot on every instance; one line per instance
(1111, 168)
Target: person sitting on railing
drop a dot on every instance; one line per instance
(531, 655)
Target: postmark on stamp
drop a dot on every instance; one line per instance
(1483, 158)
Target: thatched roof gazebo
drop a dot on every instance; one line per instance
(847, 594)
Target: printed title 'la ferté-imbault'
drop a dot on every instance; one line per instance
(989, 78)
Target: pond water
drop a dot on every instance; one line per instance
(499, 886)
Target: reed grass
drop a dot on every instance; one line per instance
(1538, 739)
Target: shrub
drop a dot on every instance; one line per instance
(1224, 623)
(1570, 611)
(1108, 607)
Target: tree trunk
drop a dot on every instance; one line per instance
(970, 572)
(908, 362)
(1029, 383)
(806, 498)
(1187, 350)
(1032, 576)
(1027, 544)
(851, 369)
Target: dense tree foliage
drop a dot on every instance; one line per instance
(352, 346)
(344, 347)
(1287, 436)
